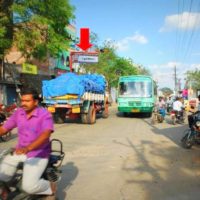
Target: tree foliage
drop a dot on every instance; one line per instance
(35, 27)
(193, 77)
(111, 65)
(166, 91)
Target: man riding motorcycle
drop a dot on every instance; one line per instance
(35, 125)
(169, 104)
(178, 107)
(191, 117)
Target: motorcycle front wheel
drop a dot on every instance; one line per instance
(6, 137)
(187, 141)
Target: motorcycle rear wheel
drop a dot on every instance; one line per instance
(160, 118)
(173, 120)
(187, 140)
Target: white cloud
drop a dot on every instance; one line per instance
(164, 73)
(184, 21)
(124, 44)
(165, 67)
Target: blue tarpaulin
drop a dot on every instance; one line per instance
(71, 83)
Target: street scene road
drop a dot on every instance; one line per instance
(117, 80)
(126, 158)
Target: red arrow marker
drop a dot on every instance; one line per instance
(84, 39)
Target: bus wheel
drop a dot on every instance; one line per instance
(125, 114)
(149, 114)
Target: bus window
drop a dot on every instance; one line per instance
(135, 89)
(122, 88)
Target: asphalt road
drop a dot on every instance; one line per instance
(126, 158)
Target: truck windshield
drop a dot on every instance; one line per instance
(135, 89)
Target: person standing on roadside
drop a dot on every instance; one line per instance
(161, 105)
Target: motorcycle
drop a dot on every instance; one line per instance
(169, 107)
(192, 135)
(8, 110)
(12, 190)
(156, 116)
(5, 112)
(7, 136)
(177, 116)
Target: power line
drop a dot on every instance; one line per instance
(189, 44)
(184, 47)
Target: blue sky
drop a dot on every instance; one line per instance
(157, 34)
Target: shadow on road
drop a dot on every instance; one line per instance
(69, 174)
(132, 115)
(174, 132)
(163, 172)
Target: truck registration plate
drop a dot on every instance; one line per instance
(51, 109)
(76, 110)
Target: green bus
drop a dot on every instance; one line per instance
(136, 94)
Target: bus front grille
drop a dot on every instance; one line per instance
(130, 103)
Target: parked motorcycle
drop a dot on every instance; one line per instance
(156, 116)
(12, 190)
(7, 136)
(177, 116)
(192, 135)
(9, 109)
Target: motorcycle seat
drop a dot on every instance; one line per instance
(55, 158)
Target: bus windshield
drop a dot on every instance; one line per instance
(135, 89)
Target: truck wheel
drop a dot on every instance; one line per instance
(84, 118)
(60, 115)
(105, 113)
(58, 119)
(91, 115)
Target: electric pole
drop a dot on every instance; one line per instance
(175, 81)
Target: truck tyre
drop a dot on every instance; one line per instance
(91, 115)
(58, 119)
(105, 113)
(59, 116)
(84, 118)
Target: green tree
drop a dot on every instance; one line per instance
(143, 71)
(35, 27)
(193, 77)
(6, 26)
(110, 64)
(166, 91)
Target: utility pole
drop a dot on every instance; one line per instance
(175, 81)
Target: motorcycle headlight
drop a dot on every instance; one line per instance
(198, 123)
